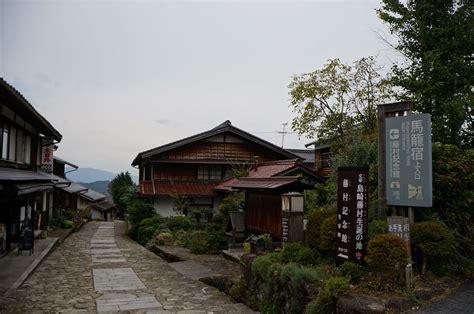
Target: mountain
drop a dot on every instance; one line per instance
(88, 175)
(98, 186)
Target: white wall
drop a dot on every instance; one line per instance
(96, 214)
(164, 206)
(82, 203)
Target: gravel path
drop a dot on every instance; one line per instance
(460, 301)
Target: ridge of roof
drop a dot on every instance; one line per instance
(32, 109)
(226, 126)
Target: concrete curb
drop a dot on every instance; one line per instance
(32, 267)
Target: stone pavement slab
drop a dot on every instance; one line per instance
(193, 270)
(126, 301)
(14, 269)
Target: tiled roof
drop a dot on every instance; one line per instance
(267, 183)
(75, 188)
(103, 205)
(24, 105)
(167, 188)
(221, 128)
(62, 161)
(267, 170)
(306, 154)
(92, 195)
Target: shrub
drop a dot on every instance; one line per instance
(231, 203)
(181, 238)
(297, 253)
(165, 238)
(145, 233)
(295, 281)
(377, 227)
(435, 240)
(387, 254)
(155, 220)
(312, 234)
(352, 270)
(217, 241)
(139, 210)
(199, 246)
(328, 234)
(67, 224)
(237, 292)
(179, 223)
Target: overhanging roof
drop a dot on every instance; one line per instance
(92, 195)
(75, 188)
(11, 174)
(269, 183)
(26, 188)
(221, 128)
(62, 161)
(27, 110)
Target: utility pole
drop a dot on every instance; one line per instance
(283, 132)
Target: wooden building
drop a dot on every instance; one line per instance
(192, 167)
(27, 142)
(322, 157)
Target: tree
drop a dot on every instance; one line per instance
(338, 98)
(437, 40)
(122, 185)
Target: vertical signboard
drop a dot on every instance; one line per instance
(400, 226)
(47, 149)
(352, 213)
(408, 161)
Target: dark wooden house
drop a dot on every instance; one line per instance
(322, 157)
(191, 168)
(27, 141)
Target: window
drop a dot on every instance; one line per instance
(209, 172)
(27, 152)
(326, 160)
(5, 138)
(12, 150)
(20, 144)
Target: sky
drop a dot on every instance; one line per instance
(119, 77)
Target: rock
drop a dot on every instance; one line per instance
(399, 304)
(359, 303)
(427, 293)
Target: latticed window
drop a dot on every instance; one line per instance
(209, 172)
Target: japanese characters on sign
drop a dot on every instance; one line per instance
(408, 160)
(285, 228)
(400, 226)
(47, 149)
(352, 213)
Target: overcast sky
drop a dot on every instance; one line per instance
(119, 77)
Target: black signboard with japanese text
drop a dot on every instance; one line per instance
(352, 213)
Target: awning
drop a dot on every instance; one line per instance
(92, 195)
(74, 188)
(27, 188)
(59, 182)
(10, 174)
(270, 183)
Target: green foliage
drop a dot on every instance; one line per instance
(67, 224)
(352, 271)
(295, 281)
(139, 210)
(297, 253)
(120, 186)
(179, 223)
(328, 234)
(261, 265)
(164, 238)
(334, 99)
(435, 240)
(238, 290)
(323, 195)
(386, 255)
(231, 203)
(145, 233)
(453, 192)
(199, 246)
(313, 226)
(379, 226)
(436, 39)
(181, 238)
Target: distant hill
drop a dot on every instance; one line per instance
(98, 186)
(89, 175)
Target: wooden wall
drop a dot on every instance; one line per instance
(263, 213)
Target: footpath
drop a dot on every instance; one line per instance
(15, 269)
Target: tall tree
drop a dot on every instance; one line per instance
(330, 101)
(120, 186)
(437, 39)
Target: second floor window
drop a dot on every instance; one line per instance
(15, 144)
(209, 172)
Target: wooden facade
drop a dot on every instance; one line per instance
(192, 167)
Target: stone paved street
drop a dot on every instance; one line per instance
(99, 269)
